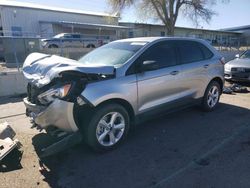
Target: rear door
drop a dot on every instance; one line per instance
(194, 65)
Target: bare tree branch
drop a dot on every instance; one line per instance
(168, 10)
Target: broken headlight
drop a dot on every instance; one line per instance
(57, 92)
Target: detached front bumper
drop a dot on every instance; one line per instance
(59, 114)
(237, 76)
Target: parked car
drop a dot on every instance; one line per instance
(239, 68)
(71, 40)
(113, 87)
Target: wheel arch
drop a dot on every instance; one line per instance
(219, 80)
(123, 103)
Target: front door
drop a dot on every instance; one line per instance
(159, 87)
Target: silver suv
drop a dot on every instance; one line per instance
(113, 87)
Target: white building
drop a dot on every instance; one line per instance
(216, 37)
(31, 20)
(245, 30)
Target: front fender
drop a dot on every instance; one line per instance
(124, 88)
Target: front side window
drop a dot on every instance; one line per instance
(67, 36)
(163, 54)
(189, 52)
(114, 53)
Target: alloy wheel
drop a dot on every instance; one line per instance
(110, 129)
(213, 96)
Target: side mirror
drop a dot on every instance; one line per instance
(148, 65)
(237, 55)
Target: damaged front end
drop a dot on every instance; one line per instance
(51, 107)
(54, 88)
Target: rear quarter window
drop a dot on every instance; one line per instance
(206, 52)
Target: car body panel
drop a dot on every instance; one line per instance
(124, 88)
(158, 87)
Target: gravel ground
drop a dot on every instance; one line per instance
(185, 149)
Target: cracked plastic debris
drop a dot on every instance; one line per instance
(7, 144)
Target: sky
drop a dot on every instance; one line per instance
(229, 14)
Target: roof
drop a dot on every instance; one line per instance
(141, 39)
(11, 3)
(239, 28)
(86, 24)
(151, 39)
(233, 32)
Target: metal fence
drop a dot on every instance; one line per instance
(14, 50)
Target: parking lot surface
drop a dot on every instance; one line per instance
(189, 148)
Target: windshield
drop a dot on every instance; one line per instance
(246, 54)
(114, 53)
(58, 36)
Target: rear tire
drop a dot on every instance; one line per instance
(211, 97)
(107, 128)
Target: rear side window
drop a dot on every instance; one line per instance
(76, 36)
(163, 53)
(189, 52)
(206, 52)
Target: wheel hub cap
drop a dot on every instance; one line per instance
(213, 96)
(110, 129)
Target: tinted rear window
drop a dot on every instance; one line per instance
(189, 52)
(206, 52)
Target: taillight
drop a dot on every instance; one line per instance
(222, 61)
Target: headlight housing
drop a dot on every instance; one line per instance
(227, 68)
(57, 92)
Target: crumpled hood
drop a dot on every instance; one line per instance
(40, 69)
(239, 63)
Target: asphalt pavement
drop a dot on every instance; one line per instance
(189, 148)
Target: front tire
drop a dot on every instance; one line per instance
(107, 128)
(211, 97)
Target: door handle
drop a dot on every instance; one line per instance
(174, 72)
(206, 66)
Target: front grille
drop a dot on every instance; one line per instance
(239, 69)
(233, 69)
(32, 93)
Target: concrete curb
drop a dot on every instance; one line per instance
(12, 83)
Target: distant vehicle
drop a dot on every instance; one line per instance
(109, 89)
(72, 40)
(239, 68)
